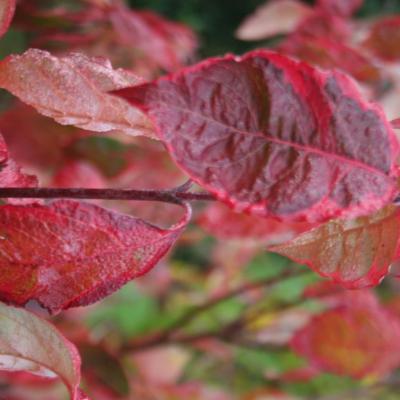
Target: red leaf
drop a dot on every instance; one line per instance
(70, 254)
(384, 38)
(169, 44)
(357, 338)
(7, 9)
(72, 90)
(354, 253)
(343, 8)
(34, 140)
(29, 343)
(224, 223)
(10, 174)
(142, 41)
(273, 18)
(275, 137)
(322, 24)
(330, 54)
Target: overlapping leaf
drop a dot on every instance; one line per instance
(355, 253)
(273, 18)
(274, 136)
(33, 139)
(358, 338)
(331, 54)
(70, 254)
(10, 174)
(31, 344)
(7, 9)
(72, 90)
(224, 223)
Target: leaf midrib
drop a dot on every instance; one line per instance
(308, 149)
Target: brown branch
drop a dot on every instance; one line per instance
(194, 311)
(174, 196)
(171, 333)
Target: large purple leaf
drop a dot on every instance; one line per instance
(275, 137)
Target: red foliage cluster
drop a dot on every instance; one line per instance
(292, 145)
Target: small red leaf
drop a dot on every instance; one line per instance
(273, 18)
(29, 343)
(275, 137)
(70, 254)
(384, 38)
(7, 9)
(357, 338)
(354, 253)
(329, 54)
(72, 90)
(344, 8)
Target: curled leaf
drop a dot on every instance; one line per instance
(69, 254)
(29, 343)
(73, 90)
(275, 137)
(355, 253)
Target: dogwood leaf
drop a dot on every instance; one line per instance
(70, 253)
(354, 253)
(274, 136)
(72, 90)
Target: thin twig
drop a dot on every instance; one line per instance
(167, 196)
(171, 333)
